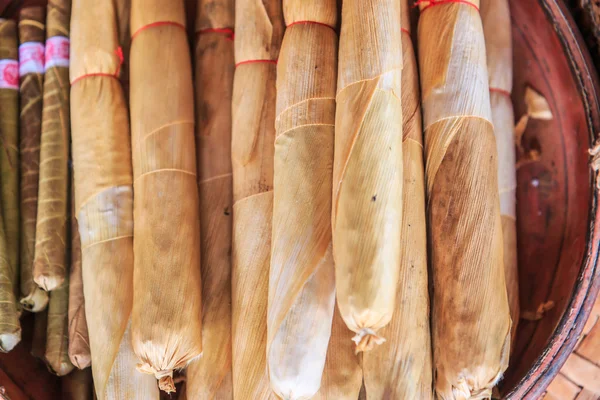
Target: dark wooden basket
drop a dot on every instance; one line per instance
(558, 218)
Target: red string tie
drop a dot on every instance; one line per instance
(228, 32)
(155, 24)
(310, 22)
(404, 30)
(256, 62)
(119, 54)
(432, 3)
(500, 91)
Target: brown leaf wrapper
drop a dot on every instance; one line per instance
(9, 155)
(209, 377)
(498, 42)
(57, 335)
(166, 319)
(10, 328)
(49, 269)
(79, 342)
(470, 318)
(31, 30)
(301, 279)
(402, 367)
(104, 201)
(78, 385)
(367, 173)
(259, 31)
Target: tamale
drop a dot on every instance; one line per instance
(402, 368)
(209, 377)
(259, 31)
(57, 336)
(49, 270)
(9, 135)
(167, 305)
(495, 16)
(104, 201)
(79, 342)
(10, 328)
(367, 172)
(470, 314)
(78, 385)
(302, 276)
(31, 69)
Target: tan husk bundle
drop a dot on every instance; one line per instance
(367, 173)
(49, 269)
(301, 279)
(498, 42)
(470, 318)
(210, 376)
(166, 318)
(259, 30)
(402, 367)
(10, 328)
(104, 201)
(57, 335)
(9, 151)
(31, 31)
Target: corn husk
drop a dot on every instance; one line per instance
(57, 335)
(498, 42)
(49, 269)
(9, 156)
(79, 342)
(104, 202)
(301, 279)
(210, 376)
(166, 319)
(470, 319)
(31, 30)
(78, 385)
(367, 172)
(38, 340)
(259, 31)
(10, 328)
(402, 368)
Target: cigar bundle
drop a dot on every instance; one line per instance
(470, 314)
(301, 280)
(210, 376)
(259, 30)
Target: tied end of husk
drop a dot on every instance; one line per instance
(48, 282)
(166, 384)
(36, 301)
(165, 378)
(463, 390)
(366, 339)
(8, 341)
(81, 361)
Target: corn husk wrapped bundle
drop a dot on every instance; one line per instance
(49, 270)
(32, 35)
(38, 339)
(259, 31)
(210, 376)
(402, 368)
(78, 385)
(79, 342)
(104, 201)
(166, 319)
(470, 319)
(301, 279)
(9, 134)
(10, 329)
(495, 16)
(57, 335)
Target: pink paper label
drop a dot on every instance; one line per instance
(31, 58)
(57, 52)
(9, 74)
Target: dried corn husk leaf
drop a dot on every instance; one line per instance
(78, 385)
(9, 154)
(31, 33)
(471, 318)
(367, 174)
(402, 368)
(104, 202)
(537, 105)
(57, 335)
(495, 16)
(49, 269)
(166, 318)
(259, 31)
(301, 278)
(210, 376)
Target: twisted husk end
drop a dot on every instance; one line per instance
(366, 339)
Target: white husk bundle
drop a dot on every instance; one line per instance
(301, 279)
(367, 178)
(470, 318)
(402, 367)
